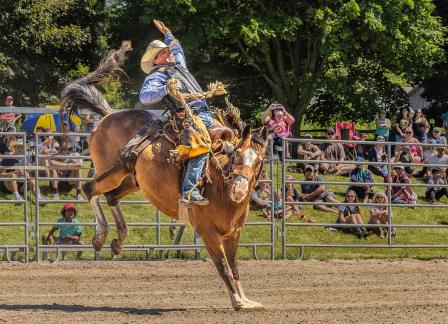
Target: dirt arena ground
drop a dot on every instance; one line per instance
(403, 291)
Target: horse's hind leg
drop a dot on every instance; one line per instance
(113, 197)
(93, 189)
(231, 248)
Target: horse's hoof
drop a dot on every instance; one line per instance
(97, 245)
(115, 246)
(243, 305)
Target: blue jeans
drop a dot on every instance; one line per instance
(196, 164)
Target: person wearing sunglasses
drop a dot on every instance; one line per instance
(278, 122)
(334, 152)
(420, 126)
(409, 151)
(350, 214)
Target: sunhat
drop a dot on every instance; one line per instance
(154, 48)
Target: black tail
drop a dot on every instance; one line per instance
(82, 93)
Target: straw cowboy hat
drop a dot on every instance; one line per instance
(154, 48)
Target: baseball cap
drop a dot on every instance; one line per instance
(69, 206)
(330, 130)
(382, 111)
(359, 159)
(437, 129)
(307, 135)
(9, 98)
(308, 167)
(398, 167)
(380, 138)
(409, 129)
(436, 169)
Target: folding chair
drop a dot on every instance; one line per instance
(347, 131)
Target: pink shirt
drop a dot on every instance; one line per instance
(280, 128)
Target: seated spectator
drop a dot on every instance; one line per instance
(333, 152)
(72, 141)
(292, 195)
(380, 214)
(16, 185)
(66, 168)
(404, 194)
(437, 135)
(408, 151)
(420, 126)
(278, 121)
(262, 193)
(439, 158)
(278, 208)
(433, 194)
(315, 192)
(359, 174)
(382, 126)
(428, 151)
(68, 235)
(377, 153)
(349, 214)
(308, 151)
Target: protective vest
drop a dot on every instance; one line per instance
(187, 83)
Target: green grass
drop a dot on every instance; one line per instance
(250, 234)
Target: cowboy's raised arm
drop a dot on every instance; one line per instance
(174, 44)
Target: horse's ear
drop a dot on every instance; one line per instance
(264, 133)
(246, 132)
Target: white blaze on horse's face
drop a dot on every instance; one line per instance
(240, 187)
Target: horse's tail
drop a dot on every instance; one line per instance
(82, 93)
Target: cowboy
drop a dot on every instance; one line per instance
(163, 61)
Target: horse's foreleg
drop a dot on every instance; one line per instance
(102, 228)
(231, 248)
(215, 246)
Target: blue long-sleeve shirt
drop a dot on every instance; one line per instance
(154, 86)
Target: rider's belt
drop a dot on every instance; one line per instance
(243, 170)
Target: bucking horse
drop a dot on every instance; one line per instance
(233, 176)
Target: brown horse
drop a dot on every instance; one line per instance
(218, 224)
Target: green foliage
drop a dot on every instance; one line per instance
(296, 47)
(43, 42)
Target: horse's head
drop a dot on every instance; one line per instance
(247, 162)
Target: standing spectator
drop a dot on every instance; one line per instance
(334, 152)
(349, 214)
(404, 194)
(308, 151)
(279, 122)
(9, 124)
(316, 192)
(382, 126)
(420, 126)
(69, 234)
(359, 174)
(379, 214)
(437, 135)
(403, 121)
(433, 194)
(377, 153)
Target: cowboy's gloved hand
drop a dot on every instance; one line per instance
(161, 26)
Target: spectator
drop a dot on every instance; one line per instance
(308, 151)
(72, 140)
(349, 214)
(445, 124)
(379, 214)
(428, 151)
(420, 126)
(292, 195)
(377, 153)
(48, 147)
(359, 174)
(69, 167)
(316, 192)
(439, 158)
(16, 186)
(433, 194)
(404, 194)
(437, 136)
(68, 235)
(403, 121)
(334, 152)
(9, 119)
(408, 151)
(278, 208)
(278, 121)
(262, 193)
(382, 126)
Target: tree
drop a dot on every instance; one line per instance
(292, 44)
(46, 42)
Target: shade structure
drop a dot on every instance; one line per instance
(48, 121)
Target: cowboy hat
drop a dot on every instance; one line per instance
(154, 48)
